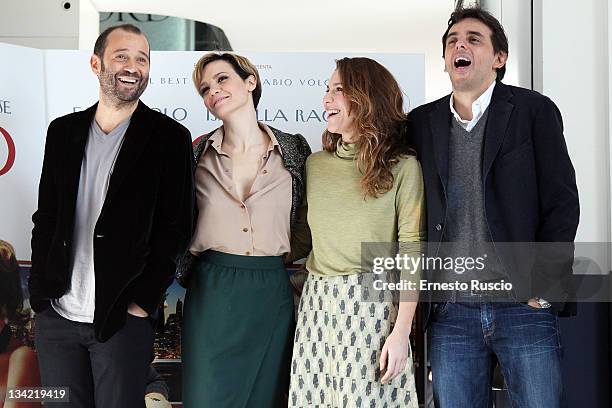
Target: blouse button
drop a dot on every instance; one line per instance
(248, 253)
(265, 172)
(245, 230)
(242, 206)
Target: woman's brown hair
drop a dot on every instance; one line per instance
(376, 104)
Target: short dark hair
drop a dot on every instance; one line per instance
(498, 35)
(100, 45)
(243, 67)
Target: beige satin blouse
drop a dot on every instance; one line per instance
(259, 225)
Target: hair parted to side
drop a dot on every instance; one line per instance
(376, 104)
(100, 45)
(243, 67)
(11, 297)
(498, 35)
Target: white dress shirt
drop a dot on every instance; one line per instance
(479, 106)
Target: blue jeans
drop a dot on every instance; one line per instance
(468, 337)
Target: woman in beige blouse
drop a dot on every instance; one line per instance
(249, 177)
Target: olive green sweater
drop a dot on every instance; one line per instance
(341, 219)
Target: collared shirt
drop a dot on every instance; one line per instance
(259, 225)
(479, 106)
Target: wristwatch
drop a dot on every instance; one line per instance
(544, 304)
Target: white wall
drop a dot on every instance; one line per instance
(89, 24)
(515, 16)
(40, 24)
(575, 74)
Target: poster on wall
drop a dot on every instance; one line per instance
(22, 138)
(59, 82)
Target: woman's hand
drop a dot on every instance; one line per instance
(395, 353)
(297, 281)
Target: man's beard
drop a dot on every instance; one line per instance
(111, 86)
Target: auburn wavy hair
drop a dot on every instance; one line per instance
(376, 106)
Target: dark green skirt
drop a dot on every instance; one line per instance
(237, 332)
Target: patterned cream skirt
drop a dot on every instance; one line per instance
(338, 341)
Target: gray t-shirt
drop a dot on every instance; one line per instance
(97, 166)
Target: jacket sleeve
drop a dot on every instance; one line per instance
(411, 130)
(301, 241)
(172, 223)
(559, 208)
(558, 194)
(46, 215)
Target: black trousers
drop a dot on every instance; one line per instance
(103, 375)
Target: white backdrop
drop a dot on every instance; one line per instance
(293, 88)
(22, 117)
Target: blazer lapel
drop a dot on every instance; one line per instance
(439, 120)
(134, 143)
(500, 110)
(73, 158)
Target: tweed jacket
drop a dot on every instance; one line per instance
(295, 150)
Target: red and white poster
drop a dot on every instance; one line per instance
(23, 122)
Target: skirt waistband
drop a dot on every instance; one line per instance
(241, 261)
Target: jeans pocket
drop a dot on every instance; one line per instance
(439, 309)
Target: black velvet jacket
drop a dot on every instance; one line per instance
(144, 225)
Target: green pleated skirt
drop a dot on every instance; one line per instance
(237, 332)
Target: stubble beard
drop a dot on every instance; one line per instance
(109, 84)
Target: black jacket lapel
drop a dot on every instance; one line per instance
(500, 110)
(440, 121)
(76, 138)
(134, 143)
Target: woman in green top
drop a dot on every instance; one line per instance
(351, 346)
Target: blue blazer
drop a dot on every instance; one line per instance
(529, 187)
